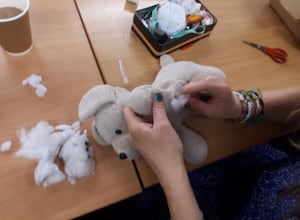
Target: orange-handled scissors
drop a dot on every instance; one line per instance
(277, 54)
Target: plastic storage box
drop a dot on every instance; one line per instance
(159, 44)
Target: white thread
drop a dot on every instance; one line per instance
(210, 77)
(123, 72)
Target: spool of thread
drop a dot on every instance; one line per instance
(192, 19)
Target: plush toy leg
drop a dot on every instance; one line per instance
(165, 60)
(194, 146)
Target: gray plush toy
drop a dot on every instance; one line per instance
(106, 104)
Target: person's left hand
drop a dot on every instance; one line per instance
(157, 142)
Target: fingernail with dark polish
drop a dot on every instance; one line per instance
(158, 97)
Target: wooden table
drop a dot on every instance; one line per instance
(108, 24)
(62, 55)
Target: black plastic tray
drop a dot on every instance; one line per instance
(158, 48)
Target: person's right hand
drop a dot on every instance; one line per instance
(212, 97)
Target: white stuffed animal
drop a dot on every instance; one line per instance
(106, 104)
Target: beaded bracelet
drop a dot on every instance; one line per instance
(252, 111)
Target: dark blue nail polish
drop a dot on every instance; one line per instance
(158, 97)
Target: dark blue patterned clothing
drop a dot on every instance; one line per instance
(245, 186)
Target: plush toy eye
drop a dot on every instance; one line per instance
(87, 143)
(118, 131)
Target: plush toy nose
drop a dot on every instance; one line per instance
(122, 156)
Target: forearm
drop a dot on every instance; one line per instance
(181, 200)
(282, 105)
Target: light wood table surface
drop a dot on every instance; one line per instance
(62, 56)
(108, 24)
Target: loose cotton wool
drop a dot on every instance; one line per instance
(5, 146)
(47, 173)
(43, 143)
(34, 81)
(171, 18)
(78, 155)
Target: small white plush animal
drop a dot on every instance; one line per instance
(106, 103)
(78, 156)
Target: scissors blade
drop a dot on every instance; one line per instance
(257, 46)
(277, 54)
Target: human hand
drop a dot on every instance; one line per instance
(212, 97)
(161, 147)
(157, 142)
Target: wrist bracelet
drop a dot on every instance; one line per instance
(252, 106)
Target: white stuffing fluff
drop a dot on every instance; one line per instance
(76, 125)
(5, 146)
(171, 18)
(41, 90)
(208, 20)
(78, 156)
(47, 173)
(189, 6)
(178, 102)
(63, 127)
(43, 143)
(34, 81)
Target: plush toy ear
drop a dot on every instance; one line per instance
(94, 99)
(165, 60)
